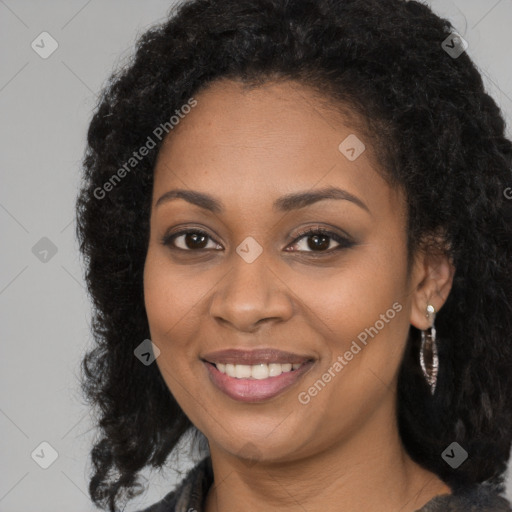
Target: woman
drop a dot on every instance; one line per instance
(297, 233)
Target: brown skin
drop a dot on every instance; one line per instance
(247, 148)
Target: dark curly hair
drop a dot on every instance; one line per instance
(439, 136)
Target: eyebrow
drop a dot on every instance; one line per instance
(285, 203)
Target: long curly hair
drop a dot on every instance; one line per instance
(440, 137)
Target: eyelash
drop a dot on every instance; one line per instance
(344, 243)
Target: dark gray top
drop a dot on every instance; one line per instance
(190, 494)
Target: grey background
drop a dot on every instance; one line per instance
(46, 105)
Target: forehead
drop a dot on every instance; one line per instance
(251, 143)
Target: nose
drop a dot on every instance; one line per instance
(251, 294)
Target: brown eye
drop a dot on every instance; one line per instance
(190, 240)
(319, 240)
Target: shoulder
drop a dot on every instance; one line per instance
(190, 492)
(477, 498)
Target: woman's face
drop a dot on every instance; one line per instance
(341, 301)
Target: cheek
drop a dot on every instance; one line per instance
(171, 295)
(361, 311)
(169, 307)
(353, 297)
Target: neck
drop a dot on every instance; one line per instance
(368, 471)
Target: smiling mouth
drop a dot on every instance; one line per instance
(256, 382)
(255, 375)
(256, 371)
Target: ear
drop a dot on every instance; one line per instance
(431, 282)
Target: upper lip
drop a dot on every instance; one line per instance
(250, 357)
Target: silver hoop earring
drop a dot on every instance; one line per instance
(429, 359)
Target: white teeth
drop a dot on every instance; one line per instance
(242, 371)
(274, 370)
(256, 371)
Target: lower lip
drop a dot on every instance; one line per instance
(255, 390)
